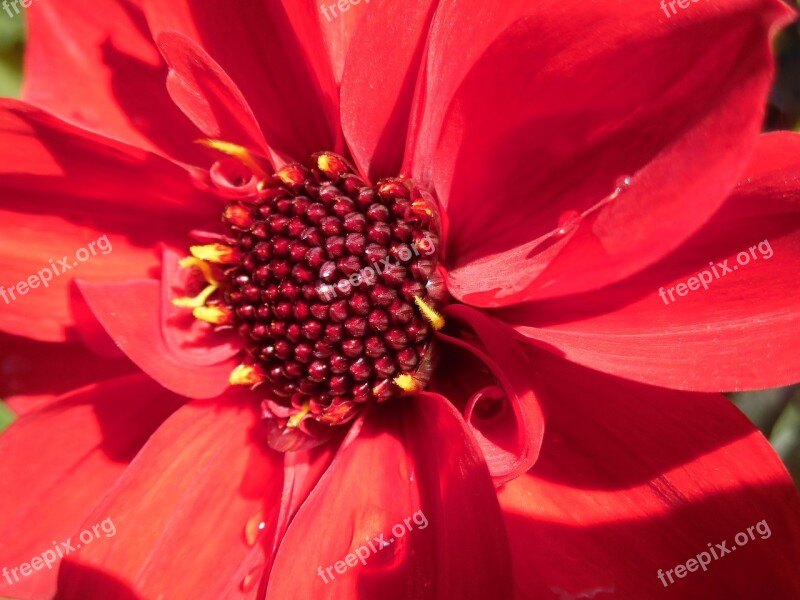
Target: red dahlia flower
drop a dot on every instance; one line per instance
(410, 278)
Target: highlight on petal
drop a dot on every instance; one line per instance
(205, 93)
(674, 109)
(426, 502)
(720, 313)
(111, 80)
(59, 459)
(380, 80)
(260, 47)
(130, 201)
(131, 314)
(634, 481)
(200, 499)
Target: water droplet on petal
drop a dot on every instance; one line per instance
(567, 222)
(251, 579)
(253, 528)
(622, 184)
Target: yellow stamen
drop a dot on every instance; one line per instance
(215, 253)
(246, 375)
(201, 298)
(434, 318)
(296, 418)
(407, 383)
(292, 175)
(332, 165)
(240, 152)
(239, 216)
(216, 315)
(196, 302)
(205, 268)
(422, 207)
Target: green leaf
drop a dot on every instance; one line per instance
(12, 36)
(7, 416)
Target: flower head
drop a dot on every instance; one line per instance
(384, 285)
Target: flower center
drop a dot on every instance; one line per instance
(333, 286)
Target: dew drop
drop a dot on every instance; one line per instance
(567, 222)
(253, 528)
(622, 184)
(251, 579)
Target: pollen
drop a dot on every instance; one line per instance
(191, 262)
(434, 318)
(407, 383)
(215, 253)
(296, 418)
(216, 315)
(246, 375)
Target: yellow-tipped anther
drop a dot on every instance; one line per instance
(422, 207)
(332, 165)
(292, 175)
(391, 188)
(216, 315)
(196, 302)
(407, 383)
(434, 318)
(201, 298)
(296, 418)
(240, 152)
(246, 375)
(215, 253)
(205, 268)
(239, 216)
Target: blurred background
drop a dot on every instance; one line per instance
(775, 412)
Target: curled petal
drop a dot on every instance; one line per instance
(511, 438)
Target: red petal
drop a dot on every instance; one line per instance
(379, 81)
(302, 472)
(205, 93)
(604, 98)
(338, 29)
(740, 333)
(112, 78)
(60, 460)
(257, 46)
(78, 187)
(190, 504)
(633, 479)
(511, 440)
(35, 373)
(130, 313)
(414, 461)
(193, 341)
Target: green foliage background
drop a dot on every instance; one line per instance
(12, 33)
